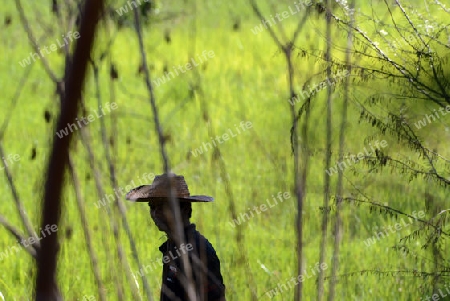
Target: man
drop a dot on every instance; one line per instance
(198, 277)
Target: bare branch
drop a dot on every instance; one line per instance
(18, 202)
(86, 231)
(46, 287)
(179, 237)
(16, 233)
(34, 42)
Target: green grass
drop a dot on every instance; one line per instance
(245, 81)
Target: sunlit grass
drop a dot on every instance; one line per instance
(245, 81)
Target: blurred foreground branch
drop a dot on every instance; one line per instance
(46, 287)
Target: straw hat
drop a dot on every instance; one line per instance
(159, 190)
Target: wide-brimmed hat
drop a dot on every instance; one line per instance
(159, 191)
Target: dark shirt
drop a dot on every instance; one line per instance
(205, 268)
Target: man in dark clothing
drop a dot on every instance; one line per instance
(191, 269)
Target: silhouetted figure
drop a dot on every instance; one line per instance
(205, 265)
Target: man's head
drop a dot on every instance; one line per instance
(164, 217)
(157, 195)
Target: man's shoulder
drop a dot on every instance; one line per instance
(163, 246)
(202, 241)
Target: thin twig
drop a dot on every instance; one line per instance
(179, 236)
(340, 184)
(20, 208)
(15, 99)
(118, 202)
(86, 231)
(327, 181)
(34, 42)
(16, 233)
(113, 223)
